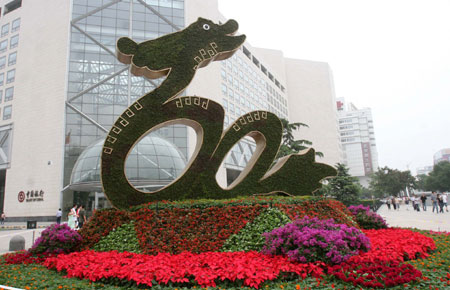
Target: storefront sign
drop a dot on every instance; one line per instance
(31, 195)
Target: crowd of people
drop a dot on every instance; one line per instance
(75, 218)
(419, 202)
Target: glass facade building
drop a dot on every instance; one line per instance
(99, 87)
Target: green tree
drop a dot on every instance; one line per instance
(289, 144)
(439, 178)
(387, 181)
(421, 181)
(343, 186)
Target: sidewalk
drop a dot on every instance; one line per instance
(22, 225)
(11, 229)
(406, 217)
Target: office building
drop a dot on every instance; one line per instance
(62, 88)
(358, 140)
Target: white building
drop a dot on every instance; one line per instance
(358, 140)
(63, 88)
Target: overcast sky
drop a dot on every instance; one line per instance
(392, 56)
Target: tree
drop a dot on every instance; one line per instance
(289, 144)
(390, 182)
(343, 187)
(439, 178)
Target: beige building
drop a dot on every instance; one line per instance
(62, 88)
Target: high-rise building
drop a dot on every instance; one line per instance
(62, 88)
(358, 140)
(441, 155)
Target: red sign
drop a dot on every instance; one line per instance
(21, 196)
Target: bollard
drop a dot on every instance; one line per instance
(17, 243)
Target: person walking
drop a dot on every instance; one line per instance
(394, 203)
(423, 198)
(81, 216)
(434, 201)
(2, 218)
(397, 202)
(58, 216)
(72, 215)
(441, 203)
(444, 199)
(388, 203)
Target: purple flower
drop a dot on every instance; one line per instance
(56, 239)
(311, 239)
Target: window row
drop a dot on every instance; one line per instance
(13, 42)
(10, 77)
(12, 58)
(15, 25)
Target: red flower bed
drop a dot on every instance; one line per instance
(195, 230)
(25, 257)
(251, 268)
(322, 209)
(382, 266)
(100, 224)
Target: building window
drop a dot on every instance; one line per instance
(12, 58)
(13, 43)
(4, 45)
(7, 112)
(1, 95)
(224, 89)
(11, 6)
(2, 79)
(9, 94)
(15, 25)
(10, 76)
(2, 62)
(5, 29)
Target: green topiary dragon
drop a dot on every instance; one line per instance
(178, 56)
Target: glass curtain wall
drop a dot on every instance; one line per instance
(100, 88)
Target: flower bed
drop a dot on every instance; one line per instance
(366, 218)
(202, 226)
(311, 239)
(251, 268)
(434, 268)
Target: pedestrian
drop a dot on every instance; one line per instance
(441, 203)
(72, 216)
(434, 201)
(397, 202)
(2, 218)
(81, 216)
(394, 204)
(423, 198)
(388, 203)
(58, 216)
(444, 199)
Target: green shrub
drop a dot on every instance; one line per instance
(121, 239)
(250, 237)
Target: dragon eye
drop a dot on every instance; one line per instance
(205, 26)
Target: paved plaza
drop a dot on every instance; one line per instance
(406, 217)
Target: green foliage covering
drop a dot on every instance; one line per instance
(250, 237)
(178, 56)
(121, 239)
